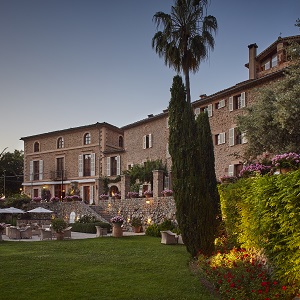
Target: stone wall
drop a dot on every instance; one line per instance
(149, 210)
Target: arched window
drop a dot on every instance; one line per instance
(87, 139)
(36, 147)
(121, 141)
(60, 143)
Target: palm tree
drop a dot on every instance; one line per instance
(186, 37)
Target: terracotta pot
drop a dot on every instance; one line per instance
(137, 229)
(60, 236)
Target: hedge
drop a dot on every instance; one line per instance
(263, 213)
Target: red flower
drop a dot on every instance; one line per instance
(284, 287)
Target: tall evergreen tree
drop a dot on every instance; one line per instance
(194, 182)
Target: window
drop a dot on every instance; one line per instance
(220, 138)
(274, 61)
(86, 165)
(237, 102)
(60, 143)
(60, 166)
(207, 109)
(121, 141)
(36, 147)
(36, 170)
(129, 167)
(87, 139)
(113, 166)
(220, 104)
(147, 141)
(234, 170)
(236, 137)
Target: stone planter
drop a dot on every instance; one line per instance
(60, 236)
(117, 230)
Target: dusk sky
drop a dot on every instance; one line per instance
(69, 63)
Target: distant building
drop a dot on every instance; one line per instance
(82, 156)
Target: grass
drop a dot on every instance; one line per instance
(104, 268)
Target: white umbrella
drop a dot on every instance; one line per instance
(39, 210)
(12, 210)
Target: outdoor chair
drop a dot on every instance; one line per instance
(26, 233)
(14, 233)
(101, 231)
(45, 234)
(168, 237)
(67, 233)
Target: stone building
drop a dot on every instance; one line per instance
(79, 158)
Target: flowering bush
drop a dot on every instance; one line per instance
(2, 226)
(286, 160)
(254, 169)
(133, 195)
(239, 274)
(76, 197)
(68, 198)
(104, 196)
(169, 192)
(117, 219)
(117, 195)
(54, 199)
(37, 199)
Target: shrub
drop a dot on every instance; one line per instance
(89, 227)
(153, 230)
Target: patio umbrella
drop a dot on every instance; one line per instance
(12, 211)
(39, 210)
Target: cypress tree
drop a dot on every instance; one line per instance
(193, 173)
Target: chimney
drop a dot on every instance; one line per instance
(203, 96)
(252, 61)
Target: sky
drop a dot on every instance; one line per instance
(70, 63)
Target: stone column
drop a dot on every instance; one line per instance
(158, 182)
(125, 185)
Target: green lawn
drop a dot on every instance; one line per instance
(104, 268)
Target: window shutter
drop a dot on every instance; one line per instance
(108, 166)
(167, 151)
(223, 139)
(231, 136)
(118, 165)
(93, 165)
(231, 103)
(244, 138)
(219, 139)
(167, 122)
(41, 167)
(243, 99)
(209, 110)
(80, 165)
(231, 170)
(144, 141)
(91, 194)
(31, 170)
(150, 140)
(197, 112)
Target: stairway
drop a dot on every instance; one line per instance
(102, 212)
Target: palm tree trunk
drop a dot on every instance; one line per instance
(187, 86)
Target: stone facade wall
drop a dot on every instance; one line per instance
(149, 210)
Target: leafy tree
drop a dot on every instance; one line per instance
(194, 182)
(11, 170)
(272, 124)
(186, 36)
(144, 173)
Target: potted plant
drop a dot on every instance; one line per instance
(117, 222)
(104, 196)
(59, 225)
(167, 193)
(148, 194)
(136, 224)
